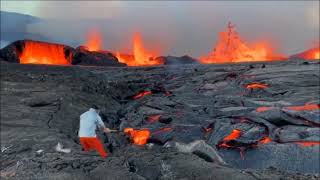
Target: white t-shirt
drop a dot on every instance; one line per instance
(89, 122)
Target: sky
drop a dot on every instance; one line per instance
(175, 27)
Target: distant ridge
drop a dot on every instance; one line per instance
(14, 27)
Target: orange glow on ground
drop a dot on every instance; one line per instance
(307, 107)
(308, 144)
(35, 52)
(236, 133)
(265, 140)
(141, 95)
(138, 137)
(263, 109)
(257, 86)
(233, 135)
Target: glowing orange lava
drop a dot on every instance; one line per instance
(311, 54)
(94, 40)
(35, 52)
(231, 49)
(257, 86)
(306, 107)
(141, 56)
(265, 140)
(233, 135)
(308, 144)
(138, 137)
(236, 133)
(141, 95)
(317, 55)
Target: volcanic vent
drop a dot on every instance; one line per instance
(231, 49)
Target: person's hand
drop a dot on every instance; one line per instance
(106, 130)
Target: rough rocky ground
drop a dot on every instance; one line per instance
(40, 106)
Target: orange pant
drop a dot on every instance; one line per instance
(93, 143)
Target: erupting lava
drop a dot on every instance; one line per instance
(141, 57)
(310, 54)
(230, 48)
(94, 40)
(138, 137)
(317, 55)
(35, 52)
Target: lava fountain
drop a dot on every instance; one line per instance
(35, 52)
(311, 54)
(231, 49)
(94, 40)
(141, 56)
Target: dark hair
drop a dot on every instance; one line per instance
(94, 107)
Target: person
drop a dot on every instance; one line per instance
(89, 121)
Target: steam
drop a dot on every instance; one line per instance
(179, 28)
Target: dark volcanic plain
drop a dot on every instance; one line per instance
(197, 107)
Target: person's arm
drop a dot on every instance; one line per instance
(101, 124)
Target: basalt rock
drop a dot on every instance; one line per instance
(269, 133)
(173, 60)
(82, 56)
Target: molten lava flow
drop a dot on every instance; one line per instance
(127, 59)
(306, 107)
(154, 118)
(265, 140)
(94, 40)
(308, 144)
(141, 57)
(35, 52)
(141, 95)
(257, 86)
(138, 137)
(233, 135)
(230, 48)
(263, 109)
